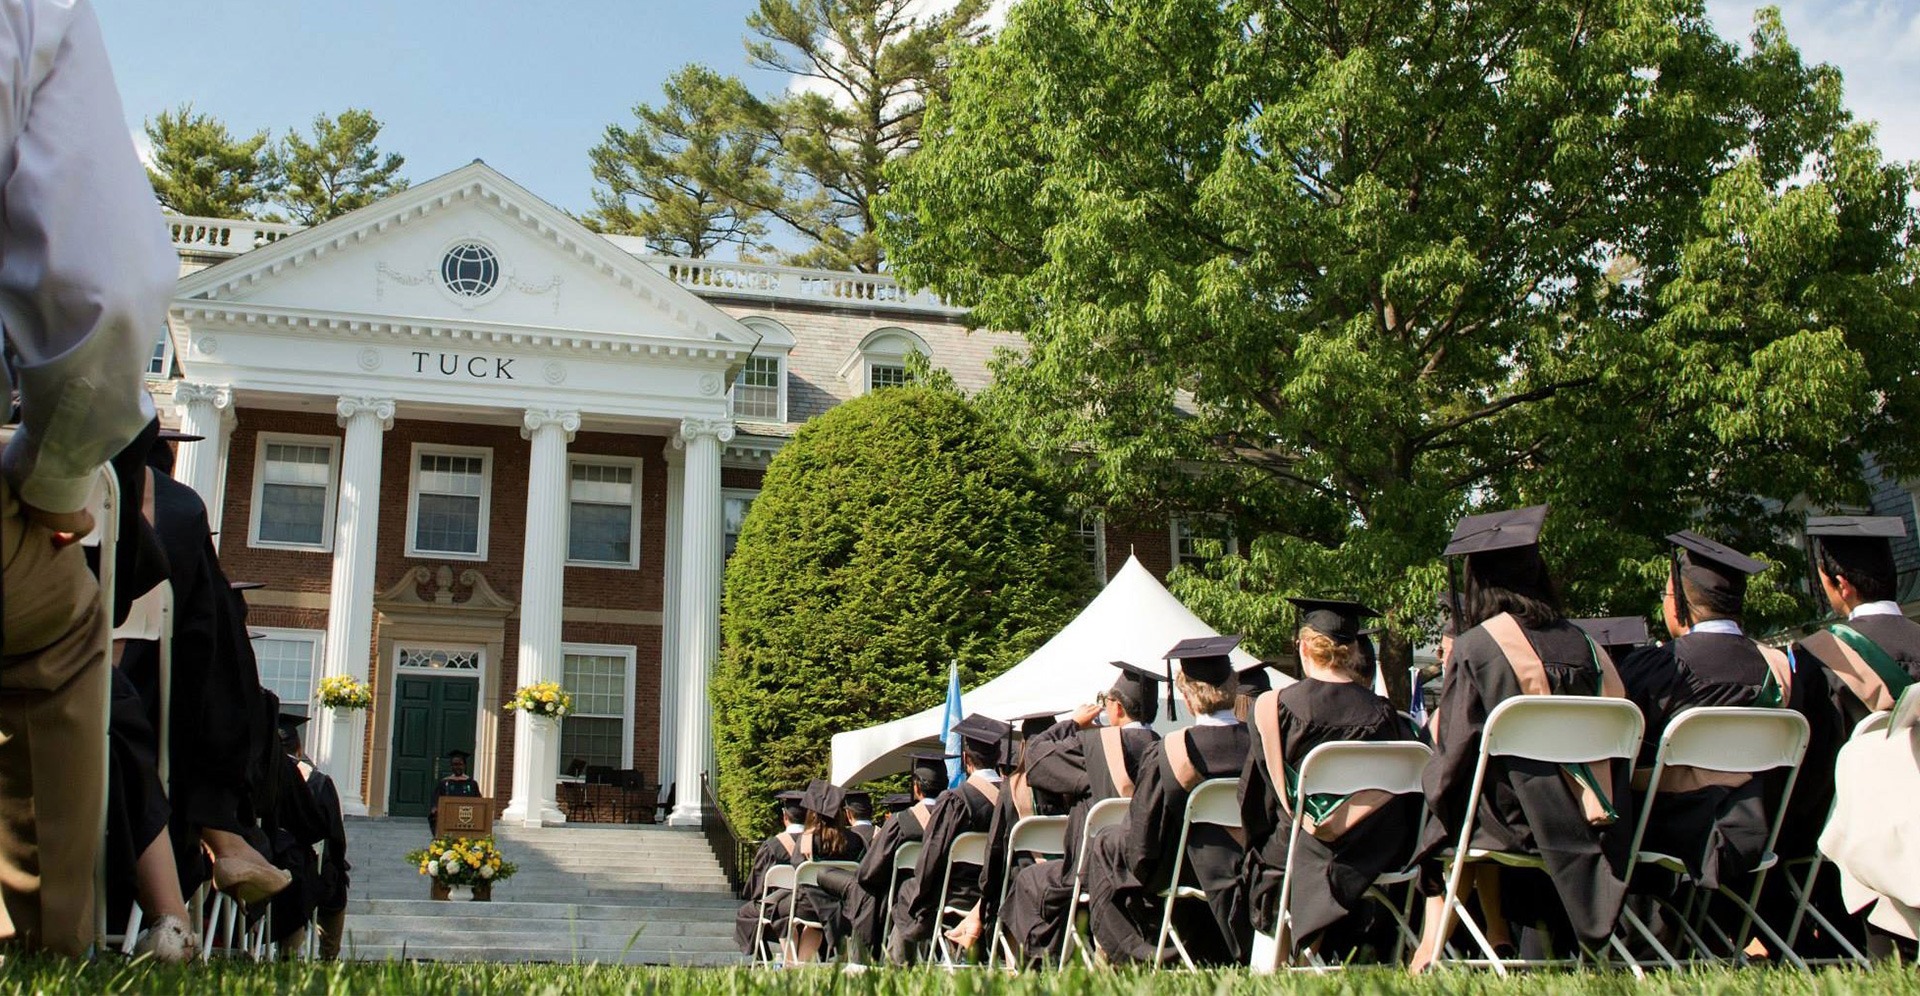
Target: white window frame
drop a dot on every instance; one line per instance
(1099, 543)
(166, 365)
(750, 494)
(633, 548)
(1229, 548)
(883, 361)
(332, 443)
(319, 640)
(780, 380)
(485, 453)
(628, 654)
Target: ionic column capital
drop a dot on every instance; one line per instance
(539, 418)
(187, 392)
(721, 429)
(380, 408)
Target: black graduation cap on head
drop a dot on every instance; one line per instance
(1862, 543)
(1254, 680)
(290, 722)
(1203, 659)
(254, 634)
(1616, 631)
(1490, 531)
(896, 801)
(1857, 526)
(934, 762)
(825, 798)
(1140, 688)
(1034, 723)
(789, 799)
(987, 732)
(1341, 620)
(457, 754)
(1712, 566)
(860, 799)
(245, 585)
(177, 436)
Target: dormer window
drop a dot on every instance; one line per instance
(759, 390)
(881, 360)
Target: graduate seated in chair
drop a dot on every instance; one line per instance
(782, 848)
(825, 837)
(1128, 866)
(863, 894)
(1516, 641)
(1019, 799)
(1090, 757)
(967, 809)
(1353, 839)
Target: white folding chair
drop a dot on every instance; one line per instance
(1344, 768)
(1558, 729)
(1040, 836)
(807, 874)
(777, 877)
(1102, 814)
(905, 858)
(1215, 801)
(968, 849)
(1802, 888)
(106, 512)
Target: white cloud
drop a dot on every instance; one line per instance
(1874, 43)
(995, 17)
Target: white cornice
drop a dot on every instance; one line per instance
(202, 316)
(695, 318)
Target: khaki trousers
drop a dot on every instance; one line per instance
(53, 737)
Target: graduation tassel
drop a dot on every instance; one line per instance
(1171, 715)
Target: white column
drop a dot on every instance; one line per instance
(204, 411)
(341, 735)
(536, 741)
(701, 550)
(670, 621)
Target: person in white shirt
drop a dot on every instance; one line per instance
(85, 272)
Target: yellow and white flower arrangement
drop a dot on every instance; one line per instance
(462, 861)
(341, 691)
(543, 698)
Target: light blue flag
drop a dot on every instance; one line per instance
(950, 718)
(1417, 701)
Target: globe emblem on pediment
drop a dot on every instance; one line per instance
(470, 270)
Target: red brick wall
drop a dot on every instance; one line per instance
(1152, 544)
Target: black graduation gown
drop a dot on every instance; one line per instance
(1331, 879)
(1718, 831)
(1128, 865)
(1019, 798)
(864, 831)
(449, 787)
(817, 903)
(916, 906)
(1525, 805)
(332, 894)
(295, 824)
(770, 853)
(1897, 635)
(136, 803)
(1070, 763)
(864, 894)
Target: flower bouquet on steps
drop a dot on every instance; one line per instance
(543, 698)
(451, 861)
(341, 691)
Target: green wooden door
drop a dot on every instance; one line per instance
(431, 716)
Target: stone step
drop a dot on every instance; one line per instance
(509, 908)
(529, 954)
(600, 932)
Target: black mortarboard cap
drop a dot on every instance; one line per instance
(1338, 619)
(1616, 631)
(986, 731)
(825, 798)
(1254, 680)
(463, 755)
(1139, 689)
(1712, 566)
(254, 634)
(290, 721)
(1485, 533)
(1857, 526)
(1035, 722)
(896, 802)
(1205, 658)
(176, 436)
(245, 585)
(859, 797)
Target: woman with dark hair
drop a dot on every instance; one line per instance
(1517, 642)
(826, 838)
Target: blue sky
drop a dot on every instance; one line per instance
(529, 87)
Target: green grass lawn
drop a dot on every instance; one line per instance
(30, 976)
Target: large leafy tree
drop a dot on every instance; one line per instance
(866, 69)
(337, 169)
(896, 533)
(199, 168)
(683, 175)
(1346, 271)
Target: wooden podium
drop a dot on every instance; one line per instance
(464, 816)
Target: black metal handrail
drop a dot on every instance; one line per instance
(734, 854)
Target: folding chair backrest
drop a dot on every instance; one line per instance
(1107, 813)
(1877, 721)
(1215, 801)
(809, 871)
(778, 877)
(1038, 835)
(907, 857)
(968, 849)
(1346, 767)
(1734, 739)
(1563, 729)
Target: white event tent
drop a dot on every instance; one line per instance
(1134, 619)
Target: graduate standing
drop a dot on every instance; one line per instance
(1518, 642)
(1354, 839)
(967, 809)
(458, 784)
(1129, 865)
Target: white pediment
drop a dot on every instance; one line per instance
(518, 264)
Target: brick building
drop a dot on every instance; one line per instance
(468, 444)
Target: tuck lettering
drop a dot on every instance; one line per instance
(467, 366)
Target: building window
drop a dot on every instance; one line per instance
(288, 659)
(160, 364)
(447, 510)
(293, 492)
(881, 375)
(733, 512)
(599, 731)
(1197, 541)
(603, 513)
(759, 390)
(1091, 531)
(470, 270)
(430, 659)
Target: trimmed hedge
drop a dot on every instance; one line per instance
(895, 533)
